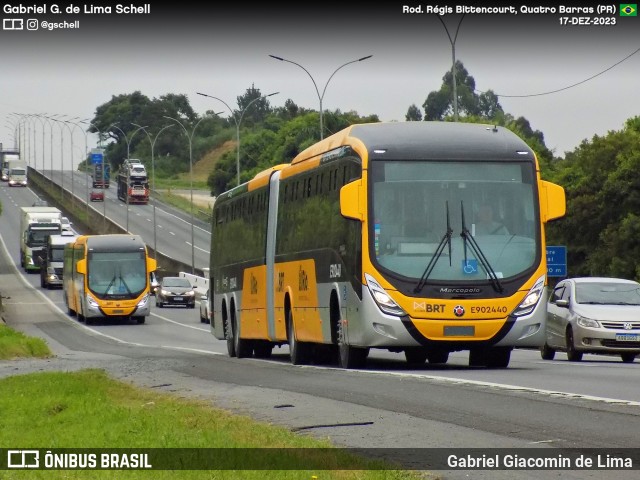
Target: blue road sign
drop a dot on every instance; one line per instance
(97, 155)
(556, 261)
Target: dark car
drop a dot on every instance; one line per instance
(175, 291)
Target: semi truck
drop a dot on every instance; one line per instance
(101, 175)
(52, 257)
(36, 224)
(133, 183)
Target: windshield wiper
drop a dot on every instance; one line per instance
(125, 285)
(467, 237)
(106, 290)
(446, 240)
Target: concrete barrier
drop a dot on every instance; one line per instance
(197, 281)
(94, 222)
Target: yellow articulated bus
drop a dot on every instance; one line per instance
(417, 237)
(107, 276)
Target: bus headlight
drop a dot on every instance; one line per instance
(143, 302)
(382, 298)
(91, 302)
(531, 299)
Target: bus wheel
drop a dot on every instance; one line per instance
(242, 347)
(140, 320)
(262, 349)
(415, 356)
(350, 357)
(231, 348)
(299, 351)
(476, 357)
(498, 357)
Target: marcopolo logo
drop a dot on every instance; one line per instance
(23, 459)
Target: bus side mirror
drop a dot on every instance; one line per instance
(81, 267)
(352, 200)
(552, 201)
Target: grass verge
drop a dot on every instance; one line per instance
(15, 344)
(88, 409)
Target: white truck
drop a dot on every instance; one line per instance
(6, 156)
(36, 224)
(52, 259)
(17, 173)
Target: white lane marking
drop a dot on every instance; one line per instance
(81, 326)
(178, 323)
(197, 248)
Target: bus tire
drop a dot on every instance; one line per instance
(349, 356)
(242, 347)
(228, 333)
(498, 357)
(140, 320)
(415, 355)
(476, 357)
(298, 351)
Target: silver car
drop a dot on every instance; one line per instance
(593, 315)
(204, 308)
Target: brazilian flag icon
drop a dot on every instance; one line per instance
(628, 10)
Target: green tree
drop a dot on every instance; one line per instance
(413, 114)
(603, 200)
(254, 112)
(439, 104)
(125, 110)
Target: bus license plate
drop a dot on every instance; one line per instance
(626, 337)
(177, 299)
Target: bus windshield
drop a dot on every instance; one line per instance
(117, 275)
(414, 202)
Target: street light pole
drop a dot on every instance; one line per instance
(60, 122)
(71, 131)
(190, 138)
(153, 181)
(237, 122)
(453, 65)
(50, 145)
(321, 97)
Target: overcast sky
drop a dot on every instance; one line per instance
(187, 48)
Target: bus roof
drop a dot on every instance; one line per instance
(112, 242)
(426, 141)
